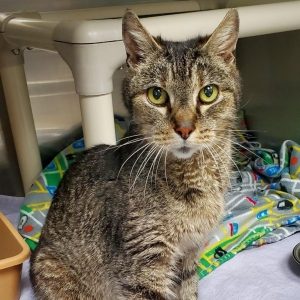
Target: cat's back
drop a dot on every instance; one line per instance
(95, 165)
(83, 192)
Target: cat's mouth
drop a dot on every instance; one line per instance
(183, 151)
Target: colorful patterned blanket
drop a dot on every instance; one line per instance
(262, 204)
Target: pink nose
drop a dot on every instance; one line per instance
(184, 132)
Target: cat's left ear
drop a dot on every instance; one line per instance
(137, 40)
(223, 40)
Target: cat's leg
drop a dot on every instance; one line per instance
(151, 275)
(189, 288)
(54, 280)
(148, 288)
(189, 277)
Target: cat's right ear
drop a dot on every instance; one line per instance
(137, 40)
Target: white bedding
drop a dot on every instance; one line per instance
(265, 273)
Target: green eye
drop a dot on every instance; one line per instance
(209, 93)
(157, 96)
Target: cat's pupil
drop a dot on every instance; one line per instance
(156, 93)
(208, 91)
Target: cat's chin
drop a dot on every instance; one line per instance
(183, 152)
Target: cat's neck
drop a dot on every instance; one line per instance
(201, 171)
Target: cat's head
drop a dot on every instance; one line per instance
(182, 95)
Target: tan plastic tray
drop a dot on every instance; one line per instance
(13, 251)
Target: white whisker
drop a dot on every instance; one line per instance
(142, 166)
(153, 151)
(161, 151)
(132, 168)
(213, 157)
(116, 147)
(247, 149)
(139, 149)
(154, 162)
(227, 172)
(229, 156)
(166, 167)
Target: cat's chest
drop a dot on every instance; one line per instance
(190, 238)
(195, 221)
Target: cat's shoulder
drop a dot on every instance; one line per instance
(99, 163)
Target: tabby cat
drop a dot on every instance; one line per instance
(128, 222)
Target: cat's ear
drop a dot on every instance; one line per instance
(223, 40)
(138, 41)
